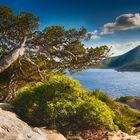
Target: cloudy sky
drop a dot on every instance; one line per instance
(111, 22)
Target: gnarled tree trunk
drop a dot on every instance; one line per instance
(9, 59)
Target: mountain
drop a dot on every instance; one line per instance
(129, 61)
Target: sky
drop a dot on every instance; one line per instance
(114, 23)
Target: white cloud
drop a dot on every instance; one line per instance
(118, 49)
(122, 22)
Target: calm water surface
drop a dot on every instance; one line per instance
(114, 83)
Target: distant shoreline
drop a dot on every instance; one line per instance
(117, 69)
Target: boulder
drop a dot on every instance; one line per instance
(12, 128)
(6, 107)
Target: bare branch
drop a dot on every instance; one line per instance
(20, 67)
(34, 64)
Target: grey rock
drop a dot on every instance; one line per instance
(6, 107)
(12, 128)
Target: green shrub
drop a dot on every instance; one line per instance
(104, 98)
(124, 99)
(97, 114)
(61, 101)
(125, 117)
(123, 123)
(132, 115)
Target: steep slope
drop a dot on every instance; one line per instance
(129, 61)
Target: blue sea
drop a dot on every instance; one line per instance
(114, 83)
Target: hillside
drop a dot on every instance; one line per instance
(129, 61)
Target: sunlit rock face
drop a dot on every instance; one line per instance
(12, 128)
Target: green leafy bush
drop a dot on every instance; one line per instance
(124, 99)
(123, 123)
(61, 102)
(125, 117)
(97, 114)
(104, 98)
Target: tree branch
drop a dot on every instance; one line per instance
(8, 41)
(34, 64)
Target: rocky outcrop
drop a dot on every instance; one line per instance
(93, 134)
(6, 107)
(120, 136)
(134, 103)
(131, 101)
(12, 128)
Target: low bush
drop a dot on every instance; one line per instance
(104, 98)
(124, 99)
(125, 117)
(61, 102)
(123, 123)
